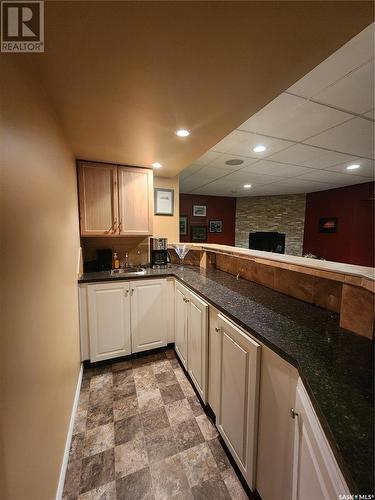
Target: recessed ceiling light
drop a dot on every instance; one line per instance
(259, 148)
(182, 132)
(353, 167)
(157, 165)
(247, 186)
(234, 162)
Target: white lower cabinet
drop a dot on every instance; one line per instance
(197, 343)
(181, 325)
(125, 317)
(315, 470)
(213, 360)
(109, 320)
(277, 394)
(148, 314)
(237, 417)
(191, 326)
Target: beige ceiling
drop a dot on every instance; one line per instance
(313, 131)
(123, 76)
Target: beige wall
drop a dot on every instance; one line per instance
(39, 326)
(168, 226)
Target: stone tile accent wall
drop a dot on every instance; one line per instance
(282, 213)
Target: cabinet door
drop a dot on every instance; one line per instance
(149, 320)
(98, 201)
(197, 343)
(238, 405)
(135, 188)
(277, 394)
(213, 360)
(109, 320)
(181, 324)
(315, 470)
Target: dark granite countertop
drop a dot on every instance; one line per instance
(336, 366)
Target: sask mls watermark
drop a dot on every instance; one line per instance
(22, 26)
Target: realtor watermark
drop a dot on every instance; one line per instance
(356, 497)
(22, 26)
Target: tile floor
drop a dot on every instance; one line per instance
(141, 433)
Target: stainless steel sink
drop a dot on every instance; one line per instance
(128, 271)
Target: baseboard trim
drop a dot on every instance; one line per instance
(69, 436)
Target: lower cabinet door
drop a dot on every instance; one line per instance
(316, 474)
(197, 343)
(238, 396)
(213, 360)
(109, 320)
(149, 320)
(181, 324)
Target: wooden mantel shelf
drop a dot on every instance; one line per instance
(346, 273)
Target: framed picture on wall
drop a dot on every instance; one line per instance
(328, 225)
(163, 201)
(199, 210)
(215, 226)
(183, 225)
(198, 233)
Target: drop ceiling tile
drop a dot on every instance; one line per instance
(244, 177)
(266, 167)
(191, 169)
(310, 156)
(219, 162)
(213, 172)
(294, 118)
(345, 93)
(353, 54)
(367, 168)
(355, 137)
(192, 182)
(301, 186)
(332, 177)
(214, 191)
(242, 144)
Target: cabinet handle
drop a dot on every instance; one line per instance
(114, 227)
(111, 228)
(126, 292)
(132, 291)
(293, 413)
(120, 226)
(217, 329)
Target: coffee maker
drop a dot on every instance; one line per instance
(159, 253)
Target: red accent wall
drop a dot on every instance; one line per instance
(353, 242)
(218, 208)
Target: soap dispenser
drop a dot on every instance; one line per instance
(116, 262)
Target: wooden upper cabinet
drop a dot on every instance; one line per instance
(115, 201)
(98, 199)
(135, 193)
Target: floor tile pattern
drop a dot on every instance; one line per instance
(141, 433)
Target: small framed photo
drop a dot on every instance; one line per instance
(215, 226)
(183, 225)
(328, 225)
(198, 233)
(199, 210)
(163, 201)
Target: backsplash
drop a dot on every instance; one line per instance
(137, 248)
